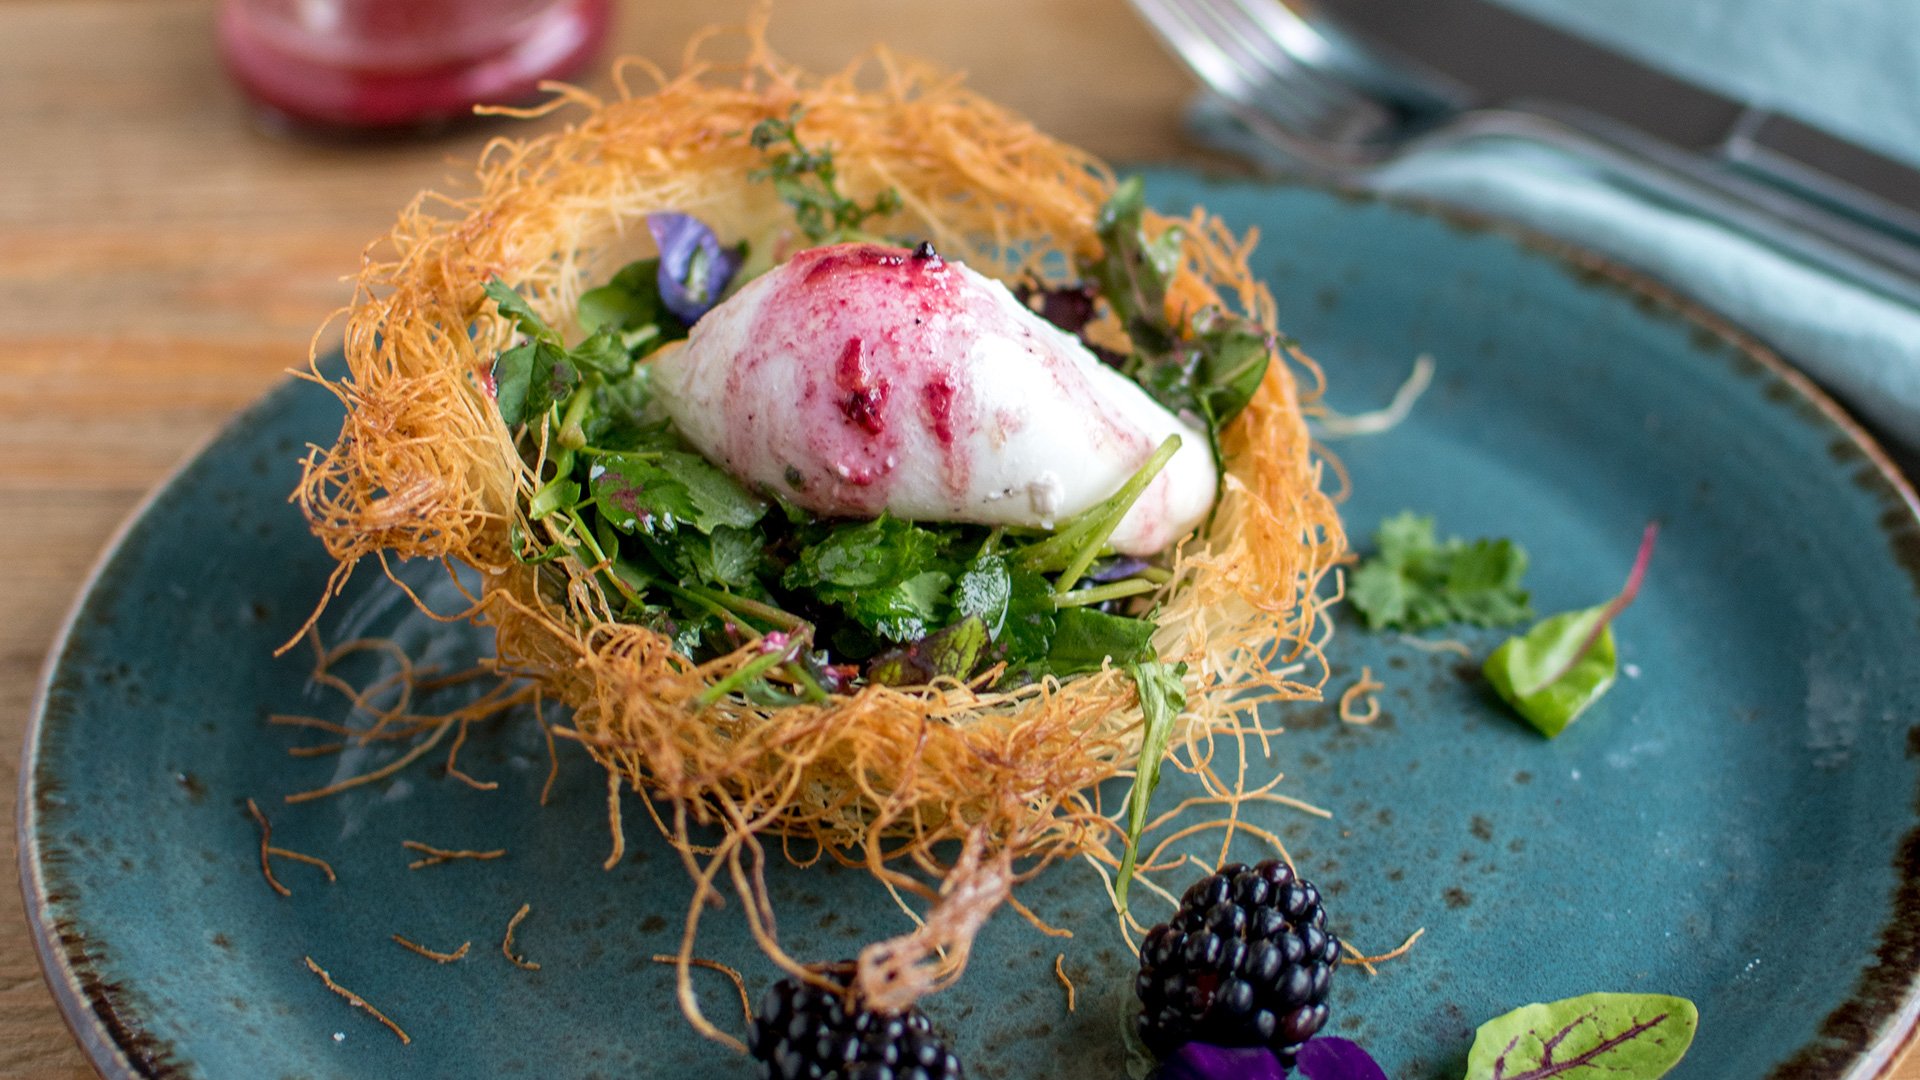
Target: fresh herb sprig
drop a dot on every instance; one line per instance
(1207, 369)
(806, 179)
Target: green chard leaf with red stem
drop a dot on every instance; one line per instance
(1553, 672)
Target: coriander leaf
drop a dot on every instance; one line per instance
(1085, 639)
(628, 302)
(1415, 581)
(515, 307)
(1522, 670)
(1163, 694)
(1592, 1037)
(618, 418)
(1027, 634)
(951, 653)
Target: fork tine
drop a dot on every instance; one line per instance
(1251, 54)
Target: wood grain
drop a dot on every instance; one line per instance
(163, 260)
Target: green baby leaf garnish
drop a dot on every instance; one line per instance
(529, 378)
(951, 653)
(515, 307)
(1085, 639)
(806, 180)
(657, 491)
(1551, 673)
(1592, 1037)
(1414, 582)
(1210, 372)
(1163, 694)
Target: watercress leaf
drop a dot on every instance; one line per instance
(718, 499)
(635, 494)
(1232, 355)
(952, 652)
(905, 611)
(553, 379)
(1132, 271)
(1163, 695)
(729, 558)
(1592, 1037)
(602, 351)
(983, 590)
(512, 380)
(1084, 639)
(557, 495)
(628, 302)
(694, 268)
(515, 307)
(618, 418)
(1531, 671)
(880, 552)
(1329, 1057)
(1027, 634)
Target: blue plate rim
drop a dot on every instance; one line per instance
(111, 1041)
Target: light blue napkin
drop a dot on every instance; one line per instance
(1778, 53)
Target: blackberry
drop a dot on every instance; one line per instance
(1246, 961)
(806, 1031)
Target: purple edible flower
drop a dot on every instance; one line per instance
(1331, 1058)
(694, 267)
(1115, 569)
(1200, 1061)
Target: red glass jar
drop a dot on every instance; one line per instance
(394, 64)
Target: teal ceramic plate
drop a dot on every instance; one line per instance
(1735, 823)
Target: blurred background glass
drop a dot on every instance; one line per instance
(398, 64)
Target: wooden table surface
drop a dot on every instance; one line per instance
(163, 261)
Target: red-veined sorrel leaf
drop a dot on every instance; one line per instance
(1593, 1037)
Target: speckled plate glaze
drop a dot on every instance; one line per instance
(1736, 822)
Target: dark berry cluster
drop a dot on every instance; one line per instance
(1246, 961)
(807, 1032)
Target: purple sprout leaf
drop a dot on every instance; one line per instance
(1201, 1061)
(1610, 1036)
(694, 267)
(1333, 1058)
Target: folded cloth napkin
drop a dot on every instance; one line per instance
(1863, 347)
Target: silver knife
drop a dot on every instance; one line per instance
(1450, 70)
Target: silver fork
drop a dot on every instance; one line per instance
(1335, 110)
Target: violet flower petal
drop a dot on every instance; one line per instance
(1114, 569)
(1334, 1058)
(1200, 1061)
(694, 267)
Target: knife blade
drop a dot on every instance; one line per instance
(1480, 55)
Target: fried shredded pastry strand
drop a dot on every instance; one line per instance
(883, 777)
(357, 1001)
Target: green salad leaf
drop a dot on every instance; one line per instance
(658, 491)
(1415, 582)
(1086, 639)
(1163, 694)
(1551, 673)
(1592, 1037)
